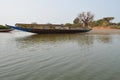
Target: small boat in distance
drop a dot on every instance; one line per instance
(5, 30)
(48, 28)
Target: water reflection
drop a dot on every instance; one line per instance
(53, 39)
(80, 39)
(59, 56)
(105, 38)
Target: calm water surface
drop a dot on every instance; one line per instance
(88, 56)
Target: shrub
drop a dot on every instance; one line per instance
(3, 27)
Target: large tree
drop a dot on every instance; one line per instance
(106, 21)
(85, 18)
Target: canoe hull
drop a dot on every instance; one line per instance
(50, 31)
(5, 30)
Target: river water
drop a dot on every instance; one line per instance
(88, 56)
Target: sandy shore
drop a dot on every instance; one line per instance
(102, 30)
(114, 31)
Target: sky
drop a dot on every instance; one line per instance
(55, 11)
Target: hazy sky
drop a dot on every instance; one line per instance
(55, 11)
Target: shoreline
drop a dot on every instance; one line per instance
(105, 31)
(104, 28)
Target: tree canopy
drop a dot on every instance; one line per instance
(84, 18)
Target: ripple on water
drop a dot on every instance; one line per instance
(60, 57)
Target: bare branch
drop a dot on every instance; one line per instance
(85, 18)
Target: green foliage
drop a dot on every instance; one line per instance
(103, 22)
(118, 27)
(108, 19)
(118, 24)
(76, 21)
(114, 24)
(99, 22)
(68, 24)
(92, 24)
(3, 27)
(115, 27)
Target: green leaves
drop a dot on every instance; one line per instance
(3, 27)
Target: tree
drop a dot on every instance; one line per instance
(118, 23)
(76, 21)
(85, 18)
(106, 21)
(99, 22)
(68, 24)
(34, 23)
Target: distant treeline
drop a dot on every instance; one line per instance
(105, 22)
(86, 20)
